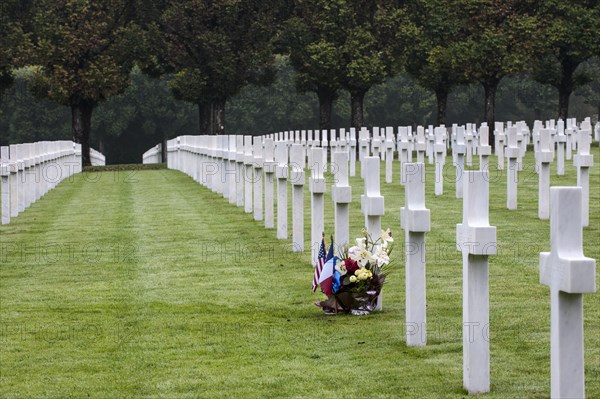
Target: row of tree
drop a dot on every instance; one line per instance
(81, 52)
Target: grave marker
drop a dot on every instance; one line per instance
(248, 174)
(281, 171)
(269, 166)
(297, 179)
(476, 239)
(372, 203)
(257, 150)
(317, 205)
(439, 150)
(569, 274)
(352, 152)
(584, 161)
(459, 150)
(512, 154)
(239, 159)
(544, 157)
(420, 145)
(341, 193)
(484, 150)
(415, 220)
(5, 176)
(389, 149)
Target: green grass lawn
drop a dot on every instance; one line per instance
(146, 284)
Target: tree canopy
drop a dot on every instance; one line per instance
(366, 62)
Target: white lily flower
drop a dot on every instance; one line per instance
(360, 242)
(340, 266)
(354, 252)
(386, 236)
(381, 256)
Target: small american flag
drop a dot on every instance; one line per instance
(319, 266)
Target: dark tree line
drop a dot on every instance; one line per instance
(80, 54)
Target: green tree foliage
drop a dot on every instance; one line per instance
(123, 127)
(498, 41)
(85, 50)
(431, 58)
(377, 37)
(216, 48)
(571, 35)
(15, 29)
(142, 116)
(25, 118)
(260, 109)
(313, 35)
(349, 44)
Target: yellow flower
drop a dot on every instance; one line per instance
(352, 279)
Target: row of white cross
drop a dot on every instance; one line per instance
(235, 166)
(30, 170)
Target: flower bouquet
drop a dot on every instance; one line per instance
(353, 280)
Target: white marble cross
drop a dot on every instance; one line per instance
(269, 166)
(325, 146)
(500, 138)
(20, 150)
(248, 174)
(512, 154)
(297, 178)
(584, 161)
(544, 157)
(363, 142)
(14, 180)
(439, 149)
(352, 152)
(376, 142)
(415, 220)
(389, 153)
(484, 150)
(430, 144)
(281, 172)
(420, 145)
(231, 171)
(469, 147)
(476, 239)
(317, 204)
(521, 152)
(5, 176)
(403, 145)
(224, 158)
(569, 144)
(372, 202)
(341, 193)
(257, 152)
(560, 139)
(569, 274)
(459, 152)
(220, 183)
(239, 159)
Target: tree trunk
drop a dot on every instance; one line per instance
(205, 118)
(218, 109)
(164, 149)
(325, 109)
(81, 125)
(357, 118)
(441, 97)
(566, 85)
(490, 86)
(563, 102)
